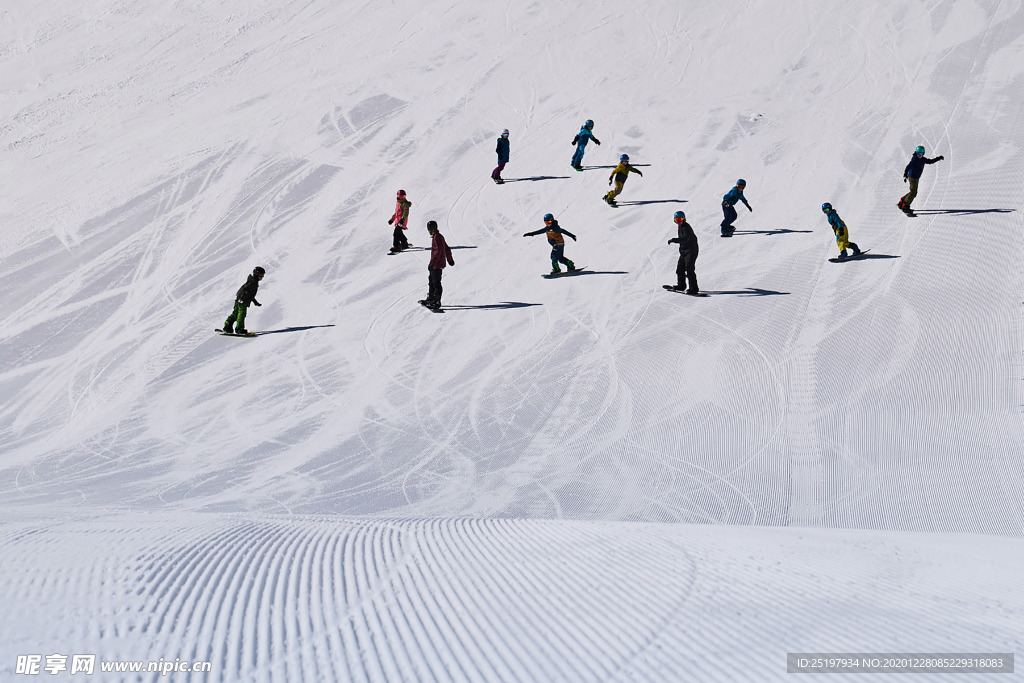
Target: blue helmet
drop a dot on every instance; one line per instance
(624, 157)
(741, 182)
(588, 124)
(826, 207)
(679, 215)
(548, 217)
(919, 150)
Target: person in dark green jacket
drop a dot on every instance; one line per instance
(246, 295)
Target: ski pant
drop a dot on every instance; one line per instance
(843, 242)
(434, 283)
(685, 272)
(909, 197)
(237, 316)
(400, 241)
(730, 217)
(558, 256)
(577, 158)
(614, 192)
(496, 173)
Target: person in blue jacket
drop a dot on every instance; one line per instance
(585, 135)
(841, 231)
(729, 206)
(912, 174)
(557, 242)
(502, 150)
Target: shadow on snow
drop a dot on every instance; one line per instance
(291, 329)
(780, 231)
(652, 201)
(961, 211)
(490, 307)
(749, 291)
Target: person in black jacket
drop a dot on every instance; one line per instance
(912, 174)
(688, 250)
(246, 295)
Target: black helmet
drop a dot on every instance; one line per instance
(258, 270)
(431, 225)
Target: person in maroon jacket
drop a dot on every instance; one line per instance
(440, 253)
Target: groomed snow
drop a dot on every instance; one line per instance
(581, 479)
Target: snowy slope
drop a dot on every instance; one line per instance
(553, 480)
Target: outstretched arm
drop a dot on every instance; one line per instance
(535, 232)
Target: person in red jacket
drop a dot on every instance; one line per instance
(400, 219)
(440, 253)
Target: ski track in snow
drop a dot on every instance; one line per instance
(580, 478)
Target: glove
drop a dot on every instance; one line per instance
(576, 139)
(670, 241)
(573, 237)
(904, 178)
(526, 234)
(940, 158)
(391, 220)
(451, 262)
(750, 208)
(609, 181)
(256, 303)
(597, 141)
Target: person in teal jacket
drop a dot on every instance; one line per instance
(729, 206)
(841, 231)
(585, 135)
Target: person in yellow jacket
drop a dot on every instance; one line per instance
(619, 175)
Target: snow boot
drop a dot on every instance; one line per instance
(241, 330)
(227, 329)
(571, 266)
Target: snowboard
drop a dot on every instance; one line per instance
(551, 276)
(672, 288)
(849, 258)
(392, 252)
(423, 303)
(729, 233)
(222, 333)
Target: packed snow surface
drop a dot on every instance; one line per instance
(579, 479)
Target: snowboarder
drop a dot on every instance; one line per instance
(688, 250)
(502, 150)
(557, 242)
(246, 295)
(585, 135)
(912, 174)
(841, 231)
(400, 219)
(729, 206)
(440, 253)
(619, 175)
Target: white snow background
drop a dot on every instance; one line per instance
(582, 479)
